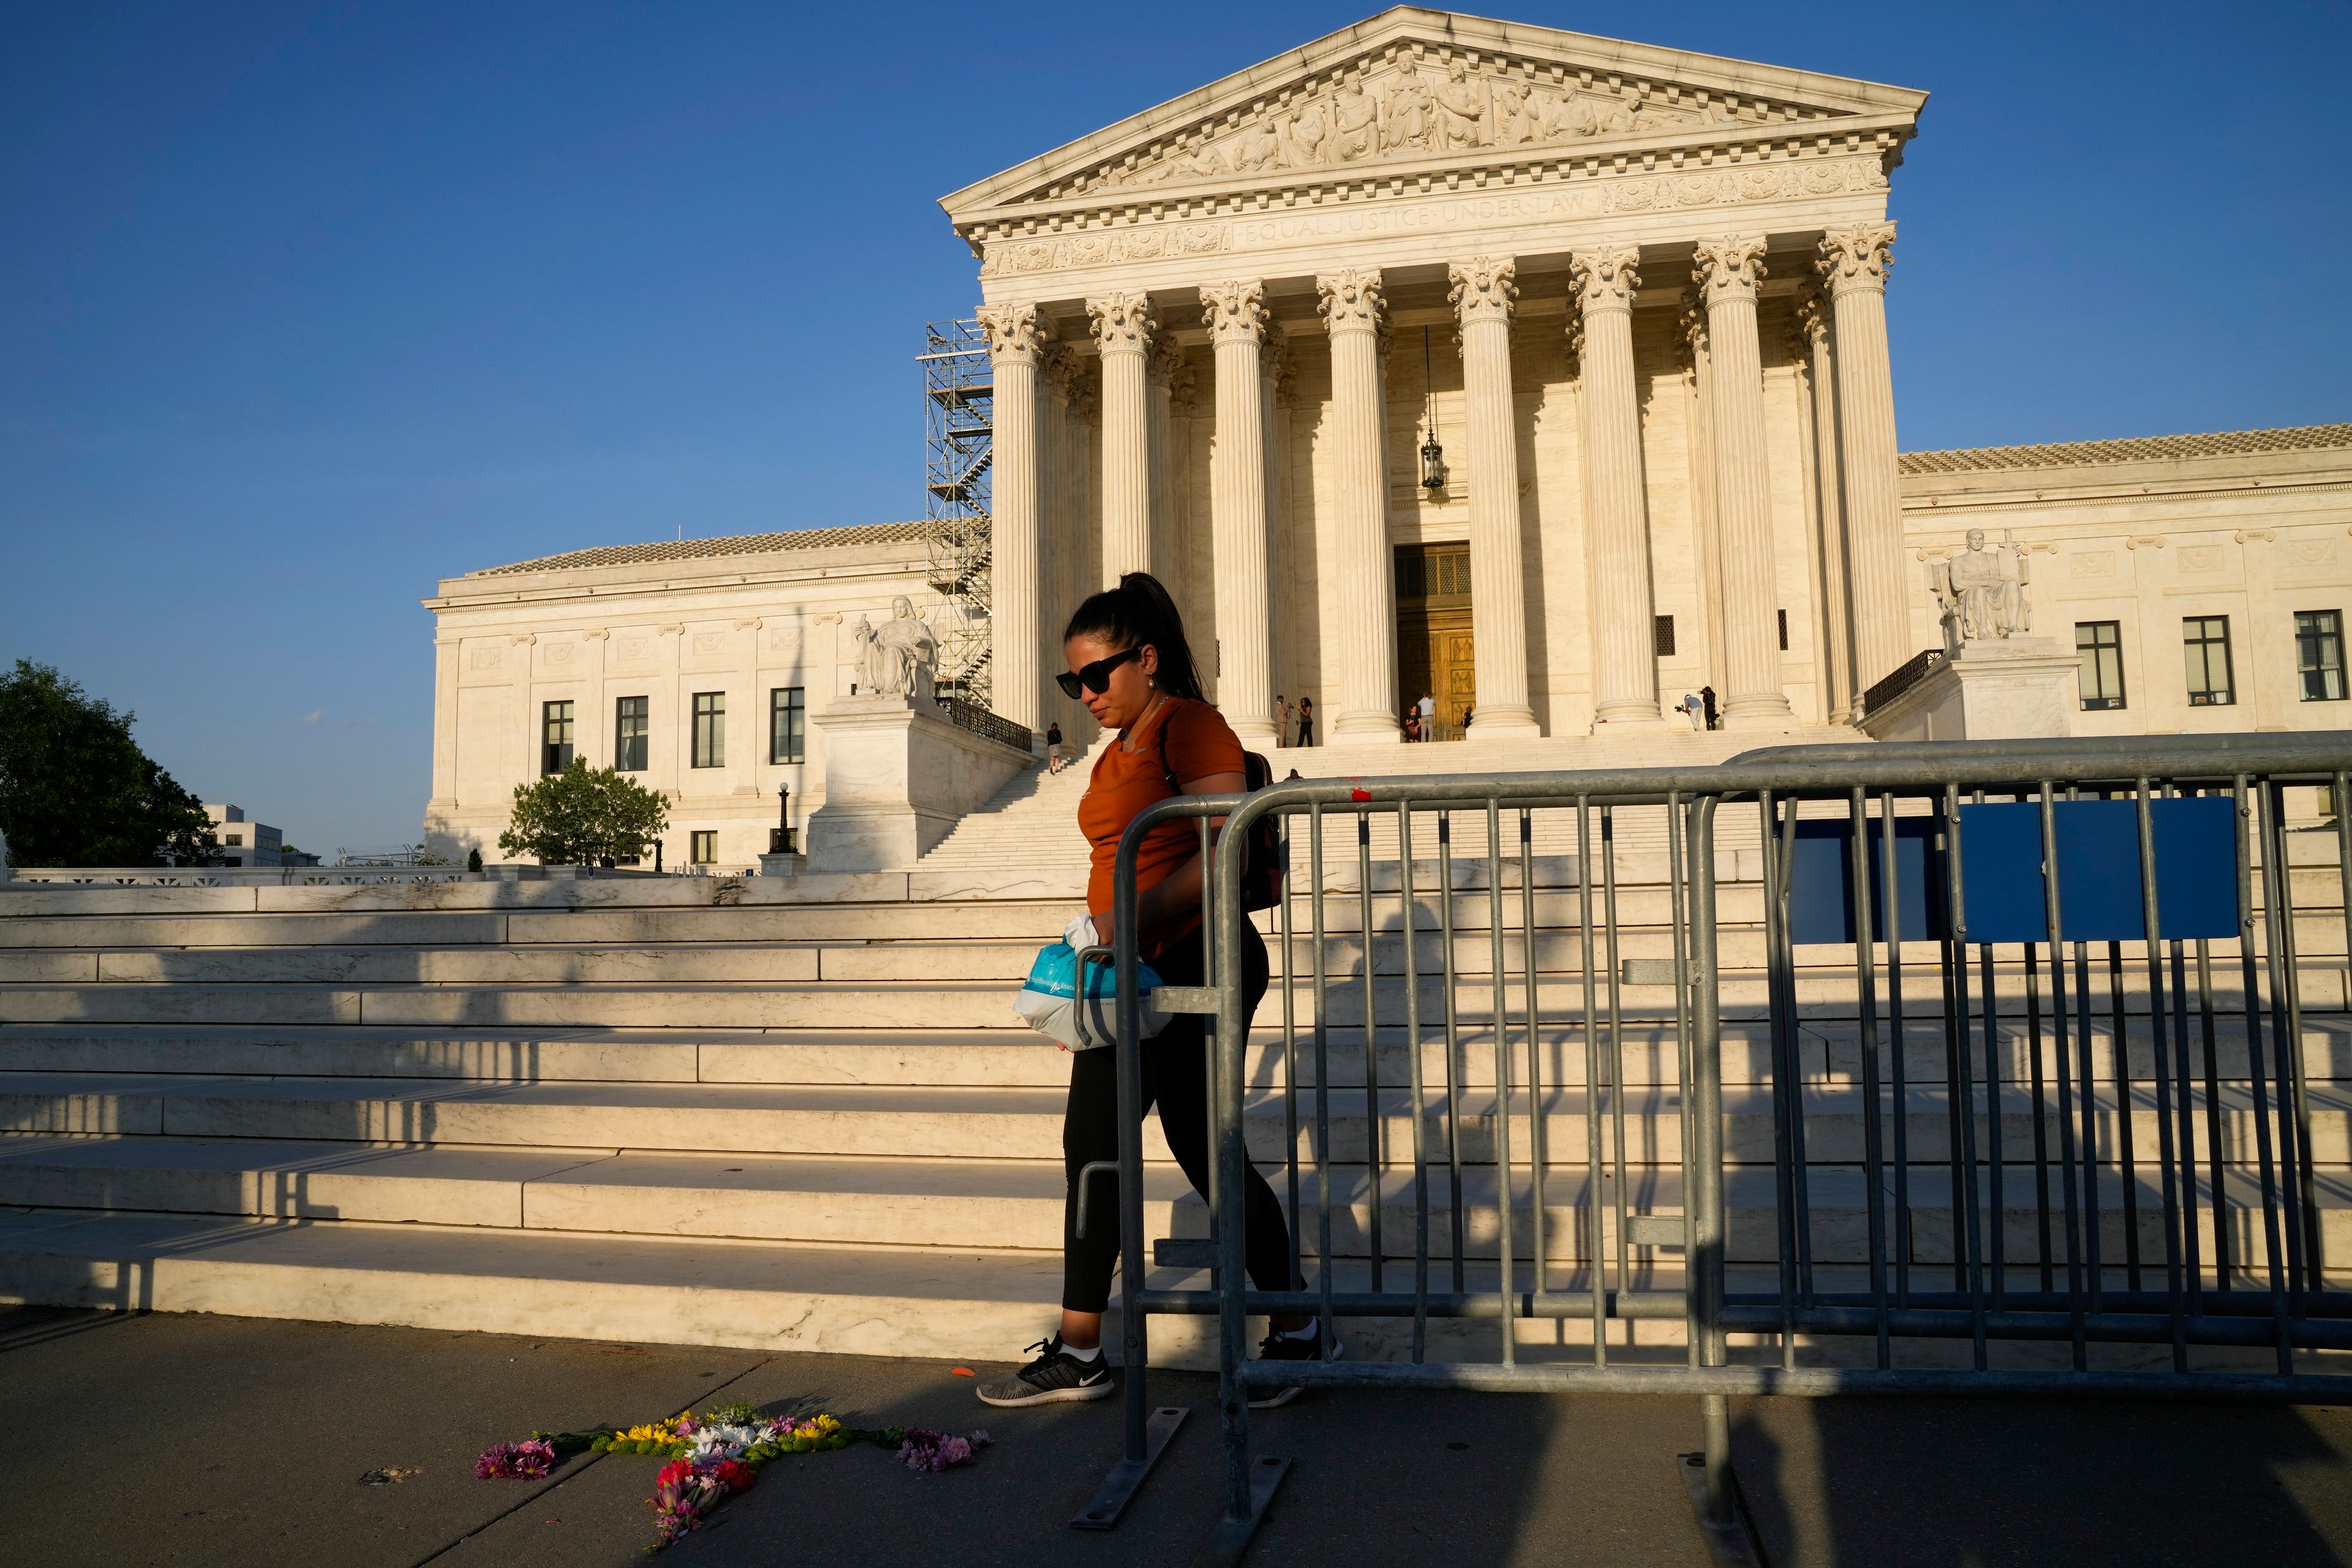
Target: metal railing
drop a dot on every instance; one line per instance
(2111, 1191)
(1910, 673)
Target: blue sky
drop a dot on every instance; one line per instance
(306, 306)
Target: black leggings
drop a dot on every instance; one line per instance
(1175, 1078)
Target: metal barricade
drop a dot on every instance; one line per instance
(2116, 1116)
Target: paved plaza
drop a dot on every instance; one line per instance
(240, 1443)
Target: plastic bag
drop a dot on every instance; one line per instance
(1049, 1000)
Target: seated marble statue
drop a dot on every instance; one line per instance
(899, 659)
(1981, 591)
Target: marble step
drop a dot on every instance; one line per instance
(966, 1304)
(1021, 1122)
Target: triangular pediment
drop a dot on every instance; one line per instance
(1412, 89)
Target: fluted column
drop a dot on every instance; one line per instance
(1854, 263)
(1363, 575)
(1124, 327)
(1060, 531)
(1813, 346)
(1726, 273)
(1236, 318)
(1161, 366)
(1015, 339)
(1484, 292)
(1624, 646)
(1276, 373)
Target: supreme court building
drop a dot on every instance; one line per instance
(1543, 372)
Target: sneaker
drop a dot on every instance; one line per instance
(1056, 1374)
(1279, 1346)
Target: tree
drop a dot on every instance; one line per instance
(582, 817)
(75, 788)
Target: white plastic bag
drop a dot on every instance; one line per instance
(1048, 1001)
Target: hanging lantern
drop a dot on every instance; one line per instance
(1432, 466)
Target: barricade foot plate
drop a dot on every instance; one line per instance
(1126, 1478)
(1231, 1538)
(1732, 1546)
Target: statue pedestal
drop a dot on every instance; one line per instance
(898, 778)
(2004, 688)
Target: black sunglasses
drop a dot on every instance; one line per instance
(1094, 677)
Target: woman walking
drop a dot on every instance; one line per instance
(1130, 664)
(1306, 720)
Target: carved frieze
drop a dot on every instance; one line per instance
(1433, 204)
(1410, 105)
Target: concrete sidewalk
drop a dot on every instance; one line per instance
(232, 1442)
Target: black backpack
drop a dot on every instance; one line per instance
(1262, 849)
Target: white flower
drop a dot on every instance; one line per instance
(722, 1441)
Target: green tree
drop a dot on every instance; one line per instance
(582, 817)
(75, 788)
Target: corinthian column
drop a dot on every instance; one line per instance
(1726, 273)
(1015, 339)
(1363, 575)
(1124, 327)
(1854, 263)
(1484, 287)
(1162, 365)
(1625, 665)
(1811, 343)
(1235, 313)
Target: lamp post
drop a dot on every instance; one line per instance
(780, 838)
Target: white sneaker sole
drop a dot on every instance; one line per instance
(1102, 1390)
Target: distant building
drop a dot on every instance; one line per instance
(244, 843)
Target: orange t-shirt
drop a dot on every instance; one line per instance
(1197, 742)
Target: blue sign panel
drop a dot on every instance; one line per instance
(1820, 880)
(2099, 886)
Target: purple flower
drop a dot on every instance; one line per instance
(526, 1461)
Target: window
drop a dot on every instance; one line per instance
(705, 846)
(235, 841)
(632, 724)
(1784, 630)
(2101, 645)
(1663, 636)
(788, 725)
(710, 729)
(2205, 641)
(554, 736)
(2319, 654)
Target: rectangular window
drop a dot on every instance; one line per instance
(2205, 642)
(705, 842)
(710, 729)
(554, 737)
(1784, 630)
(1663, 636)
(788, 725)
(2319, 654)
(236, 841)
(2101, 679)
(631, 728)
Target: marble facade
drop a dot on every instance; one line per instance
(1635, 295)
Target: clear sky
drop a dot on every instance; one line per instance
(302, 307)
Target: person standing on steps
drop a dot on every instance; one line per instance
(1131, 666)
(1305, 721)
(1281, 721)
(1706, 701)
(1052, 748)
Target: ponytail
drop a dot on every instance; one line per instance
(1137, 612)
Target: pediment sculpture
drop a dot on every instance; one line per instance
(898, 659)
(1981, 592)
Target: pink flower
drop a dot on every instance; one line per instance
(525, 1461)
(923, 1450)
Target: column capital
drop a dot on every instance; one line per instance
(1235, 311)
(1812, 316)
(1352, 301)
(1728, 268)
(1123, 323)
(1277, 366)
(1856, 258)
(1062, 371)
(1015, 333)
(1163, 362)
(1484, 289)
(1690, 330)
(1605, 278)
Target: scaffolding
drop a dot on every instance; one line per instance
(958, 403)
